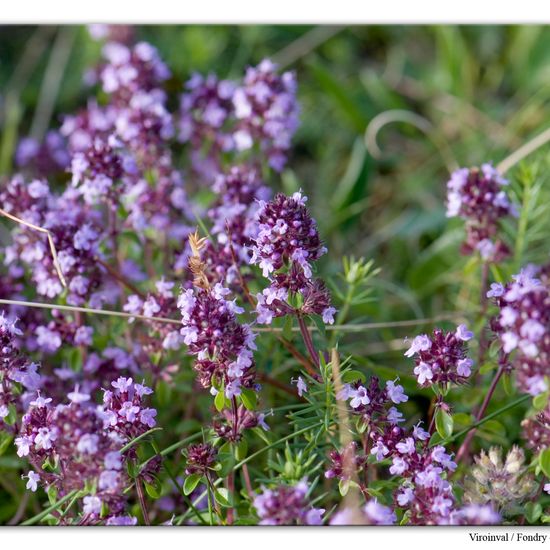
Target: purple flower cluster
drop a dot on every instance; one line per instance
(81, 454)
(441, 358)
(523, 328)
(234, 223)
(477, 195)
(76, 233)
(285, 247)
(161, 304)
(15, 369)
(47, 157)
(227, 116)
(223, 346)
(124, 413)
(201, 458)
(536, 430)
(121, 148)
(286, 505)
(267, 112)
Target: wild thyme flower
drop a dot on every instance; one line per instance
(503, 484)
(15, 369)
(523, 328)
(129, 70)
(286, 505)
(163, 303)
(223, 346)
(233, 216)
(97, 170)
(124, 411)
(267, 112)
(477, 195)
(536, 430)
(206, 110)
(43, 158)
(441, 358)
(285, 247)
(201, 457)
(81, 454)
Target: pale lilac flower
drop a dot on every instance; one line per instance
(395, 392)
(92, 505)
(420, 343)
(464, 366)
(359, 397)
(423, 372)
(378, 514)
(406, 447)
(33, 479)
(399, 465)
(300, 385)
(463, 333)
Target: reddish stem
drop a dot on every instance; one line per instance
(466, 443)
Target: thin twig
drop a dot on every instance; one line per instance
(360, 327)
(525, 150)
(50, 241)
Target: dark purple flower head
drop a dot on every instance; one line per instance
(345, 464)
(222, 345)
(441, 358)
(201, 457)
(287, 235)
(477, 195)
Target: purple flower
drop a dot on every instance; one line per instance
(420, 343)
(423, 373)
(92, 505)
(33, 479)
(147, 417)
(300, 385)
(395, 392)
(399, 465)
(359, 397)
(378, 514)
(463, 333)
(108, 480)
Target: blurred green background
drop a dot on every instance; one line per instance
(467, 95)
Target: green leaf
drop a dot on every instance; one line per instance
(540, 401)
(219, 401)
(343, 487)
(225, 464)
(249, 399)
(222, 497)
(533, 511)
(241, 449)
(287, 327)
(191, 483)
(5, 442)
(154, 490)
(352, 376)
(444, 423)
(544, 462)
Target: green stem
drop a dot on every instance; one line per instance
(50, 509)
